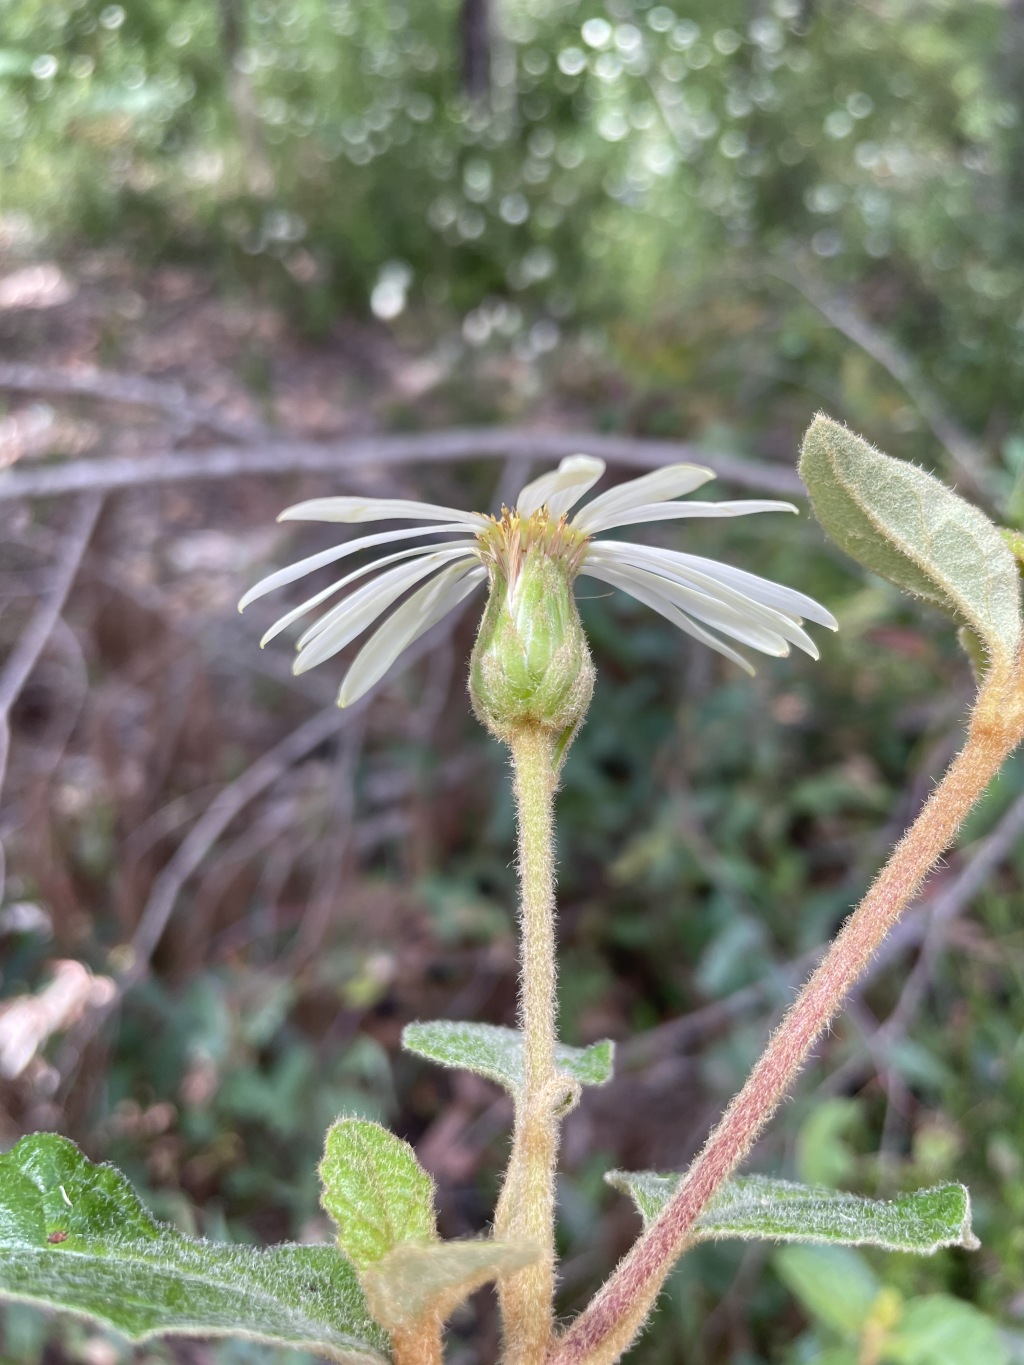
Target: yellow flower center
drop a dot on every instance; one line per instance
(506, 542)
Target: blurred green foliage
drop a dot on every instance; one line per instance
(327, 147)
(846, 1300)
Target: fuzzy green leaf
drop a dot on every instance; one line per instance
(414, 1279)
(904, 524)
(375, 1190)
(75, 1236)
(757, 1207)
(497, 1053)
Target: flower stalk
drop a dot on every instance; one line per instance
(531, 680)
(605, 1329)
(526, 1208)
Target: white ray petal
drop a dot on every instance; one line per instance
(380, 509)
(660, 604)
(414, 618)
(660, 485)
(673, 511)
(341, 611)
(562, 488)
(744, 623)
(351, 617)
(760, 589)
(283, 622)
(355, 601)
(666, 563)
(281, 577)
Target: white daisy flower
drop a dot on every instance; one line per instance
(705, 599)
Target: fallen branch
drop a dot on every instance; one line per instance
(225, 806)
(355, 456)
(133, 390)
(25, 654)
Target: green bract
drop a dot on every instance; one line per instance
(416, 1280)
(382, 1201)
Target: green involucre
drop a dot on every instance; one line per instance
(531, 662)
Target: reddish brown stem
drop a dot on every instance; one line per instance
(607, 1326)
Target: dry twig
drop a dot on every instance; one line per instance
(357, 455)
(229, 802)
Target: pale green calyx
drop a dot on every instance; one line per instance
(531, 664)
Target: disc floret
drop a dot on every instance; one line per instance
(507, 540)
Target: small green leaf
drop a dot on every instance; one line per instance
(937, 1329)
(834, 1284)
(904, 524)
(375, 1190)
(74, 1236)
(497, 1053)
(414, 1279)
(757, 1207)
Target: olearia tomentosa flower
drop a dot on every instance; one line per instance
(531, 662)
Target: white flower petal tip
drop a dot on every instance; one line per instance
(687, 589)
(561, 489)
(592, 522)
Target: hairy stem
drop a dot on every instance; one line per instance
(526, 1208)
(419, 1344)
(605, 1329)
